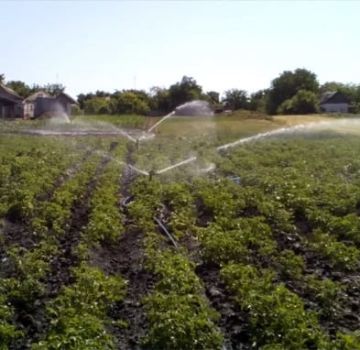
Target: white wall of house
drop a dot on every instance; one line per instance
(29, 109)
(335, 107)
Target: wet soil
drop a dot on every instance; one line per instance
(126, 258)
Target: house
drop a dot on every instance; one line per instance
(334, 102)
(10, 103)
(40, 103)
(31, 102)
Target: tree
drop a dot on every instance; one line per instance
(303, 102)
(236, 99)
(160, 100)
(184, 91)
(2, 78)
(97, 105)
(82, 98)
(213, 97)
(258, 101)
(287, 85)
(54, 89)
(129, 102)
(20, 88)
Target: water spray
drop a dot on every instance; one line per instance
(186, 161)
(160, 121)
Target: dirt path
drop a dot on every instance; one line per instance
(126, 258)
(233, 321)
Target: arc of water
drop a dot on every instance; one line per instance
(143, 172)
(186, 161)
(160, 121)
(123, 133)
(266, 134)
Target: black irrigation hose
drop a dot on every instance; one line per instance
(168, 234)
(124, 203)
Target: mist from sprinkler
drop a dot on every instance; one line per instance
(192, 108)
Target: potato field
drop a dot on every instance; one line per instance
(253, 247)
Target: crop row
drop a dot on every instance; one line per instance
(26, 269)
(29, 172)
(78, 315)
(179, 315)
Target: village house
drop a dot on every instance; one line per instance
(38, 104)
(41, 103)
(10, 103)
(334, 102)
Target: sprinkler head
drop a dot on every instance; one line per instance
(152, 173)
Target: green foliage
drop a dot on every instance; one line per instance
(248, 236)
(20, 88)
(8, 331)
(179, 315)
(338, 253)
(180, 322)
(79, 313)
(325, 291)
(236, 99)
(277, 316)
(348, 341)
(77, 332)
(130, 102)
(184, 91)
(97, 105)
(291, 265)
(288, 84)
(303, 102)
(27, 269)
(105, 222)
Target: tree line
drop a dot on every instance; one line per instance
(292, 92)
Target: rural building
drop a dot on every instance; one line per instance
(40, 103)
(334, 102)
(10, 103)
(31, 102)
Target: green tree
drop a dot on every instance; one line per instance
(2, 78)
(130, 102)
(97, 105)
(258, 101)
(160, 100)
(184, 91)
(303, 102)
(236, 99)
(19, 87)
(213, 97)
(54, 89)
(287, 85)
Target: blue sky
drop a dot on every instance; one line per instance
(100, 45)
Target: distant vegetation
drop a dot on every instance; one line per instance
(292, 92)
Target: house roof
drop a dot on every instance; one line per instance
(333, 97)
(36, 95)
(9, 94)
(66, 96)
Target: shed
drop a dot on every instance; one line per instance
(334, 102)
(41, 103)
(31, 104)
(66, 102)
(10, 103)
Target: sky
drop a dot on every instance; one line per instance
(115, 45)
